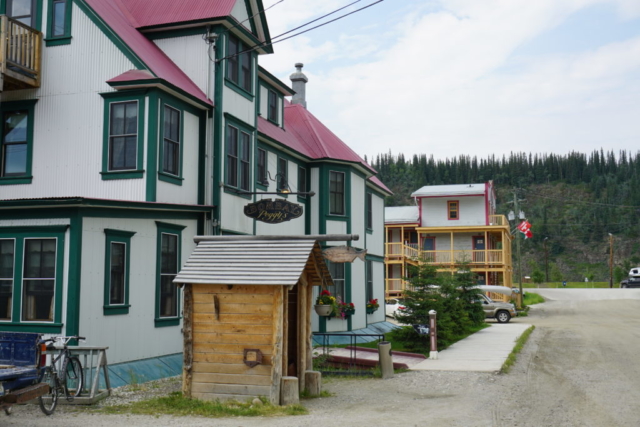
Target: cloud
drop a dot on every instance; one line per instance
(450, 81)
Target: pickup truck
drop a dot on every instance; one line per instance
(19, 369)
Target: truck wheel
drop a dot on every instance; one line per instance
(503, 316)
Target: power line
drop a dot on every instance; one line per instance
(583, 202)
(302, 32)
(252, 16)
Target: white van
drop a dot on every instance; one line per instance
(634, 272)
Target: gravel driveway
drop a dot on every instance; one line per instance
(576, 370)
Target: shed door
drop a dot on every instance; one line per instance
(292, 332)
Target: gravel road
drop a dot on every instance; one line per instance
(576, 370)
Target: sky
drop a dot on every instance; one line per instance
(472, 77)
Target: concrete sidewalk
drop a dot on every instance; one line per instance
(484, 351)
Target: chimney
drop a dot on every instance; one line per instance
(299, 82)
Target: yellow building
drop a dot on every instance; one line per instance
(449, 225)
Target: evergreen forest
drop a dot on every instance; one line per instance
(573, 202)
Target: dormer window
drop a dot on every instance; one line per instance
(453, 210)
(272, 109)
(239, 63)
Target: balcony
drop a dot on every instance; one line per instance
(20, 55)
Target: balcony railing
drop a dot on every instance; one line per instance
(20, 55)
(400, 250)
(498, 220)
(488, 256)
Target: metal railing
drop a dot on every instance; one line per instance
(20, 52)
(347, 364)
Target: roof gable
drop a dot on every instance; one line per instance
(150, 56)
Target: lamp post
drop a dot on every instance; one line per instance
(512, 217)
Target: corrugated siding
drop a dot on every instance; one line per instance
(142, 339)
(68, 119)
(190, 54)
(252, 262)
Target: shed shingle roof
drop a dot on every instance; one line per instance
(253, 262)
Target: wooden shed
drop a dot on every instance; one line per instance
(247, 315)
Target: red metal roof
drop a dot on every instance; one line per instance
(117, 17)
(147, 13)
(308, 136)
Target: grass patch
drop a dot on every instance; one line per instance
(572, 285)
(304, 394)
(531, 298)
(511, 360)
(177, 405)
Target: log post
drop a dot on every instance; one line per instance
(277, 340)
(289, 391)
(386, 360)
(313, 383)
(187, 333)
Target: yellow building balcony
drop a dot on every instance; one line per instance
(20, 55)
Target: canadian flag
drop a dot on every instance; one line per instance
(525, 228)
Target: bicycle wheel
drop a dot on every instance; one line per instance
(74, 377)
(49, 401)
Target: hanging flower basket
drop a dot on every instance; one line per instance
(372, 306)
(324, 310)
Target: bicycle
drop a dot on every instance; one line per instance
(64, 374)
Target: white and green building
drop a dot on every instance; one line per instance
(137, 125)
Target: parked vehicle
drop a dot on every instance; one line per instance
(20, 369)
(392, 306)
(501, 311)
(631, 282)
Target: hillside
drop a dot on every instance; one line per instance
(573, 201)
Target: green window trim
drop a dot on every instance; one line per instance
(337, 193)
(37, 15)
(7, 107)
(235, 68)
(163, 175)
(118, 98)
(262, 184)
(20, 235)
(234, 163)
(169, 229)
(368, 212)
(303, 183)
(57, 36)
(117, 237)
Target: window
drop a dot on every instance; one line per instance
(38, 279)
(31, 265)
(302, 182)
(59, 23)
(369, 208)
(171, 141)
(262, 167)
(24, 11)
(337, 274)
(168, 260)
(272, 108)
(16, 143)
(238, 158)
(369, 284)
(336, 193)
(239, 69)
(453, 210)
(117, 265)
(283, 173)
(7, 257)
(123, 136)
(168, 272)
(123, 144)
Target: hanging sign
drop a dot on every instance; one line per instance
(273, 212)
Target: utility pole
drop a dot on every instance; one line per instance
(516, 208)
(546, 260)
(610, 260)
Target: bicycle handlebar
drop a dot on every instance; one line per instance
(64, 340)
